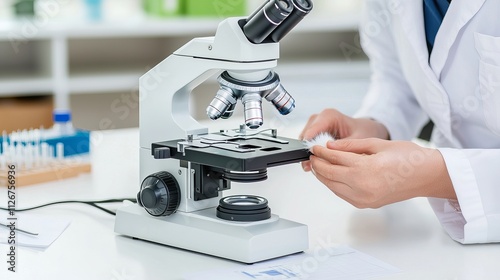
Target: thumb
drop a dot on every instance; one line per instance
(359, 146)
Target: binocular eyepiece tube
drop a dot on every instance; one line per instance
(275, 19)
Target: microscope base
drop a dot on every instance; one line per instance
(203, 232)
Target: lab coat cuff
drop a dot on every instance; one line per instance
(470, 206)
(451, 218)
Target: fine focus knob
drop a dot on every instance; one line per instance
(149, 198)
(159, 194)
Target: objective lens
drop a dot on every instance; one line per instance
(261, 24)
(229, 111)
(301, 9)
(282, 100)
(252, 103)
(222, 105)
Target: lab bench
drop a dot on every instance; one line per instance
(406, 235)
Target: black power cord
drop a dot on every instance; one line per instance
(91, 203)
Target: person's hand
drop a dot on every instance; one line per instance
(340, 126)
(370, 173)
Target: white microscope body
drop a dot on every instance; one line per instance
(164, 115)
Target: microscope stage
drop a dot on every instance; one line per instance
(236, 153)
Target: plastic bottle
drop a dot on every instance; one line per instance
(62, 123)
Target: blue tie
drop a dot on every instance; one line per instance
(434, 11)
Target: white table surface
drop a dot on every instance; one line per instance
(406, 235)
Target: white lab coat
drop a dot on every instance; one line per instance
(458, 88)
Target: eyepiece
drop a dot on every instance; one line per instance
(262, 23)
(303, 4)
(301, 9)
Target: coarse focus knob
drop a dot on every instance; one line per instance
(159, 194)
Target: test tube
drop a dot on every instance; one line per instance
(36, 147)
(5, 145)
(19, 152)
(51, 153)
(60, 151)
(2, 160)
(44, 153)
(12, 154)
(28, 149)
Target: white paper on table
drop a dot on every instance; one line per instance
(336, 263)
(48, 229)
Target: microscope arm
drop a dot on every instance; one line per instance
(164, 90)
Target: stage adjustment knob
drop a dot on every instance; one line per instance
(159, 194)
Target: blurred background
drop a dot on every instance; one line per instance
(87, 56)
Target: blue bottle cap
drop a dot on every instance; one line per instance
(61, 115)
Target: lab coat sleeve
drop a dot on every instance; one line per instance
(476, 179)
(390, 99)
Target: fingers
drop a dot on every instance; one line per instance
(310, 121)
(335, 157)
(328, 120)
(358, 146)
(332, 172)
(306, 165)
(340, 189)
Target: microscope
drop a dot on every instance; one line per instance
(185, 169)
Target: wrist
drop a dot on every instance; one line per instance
(438, 183)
